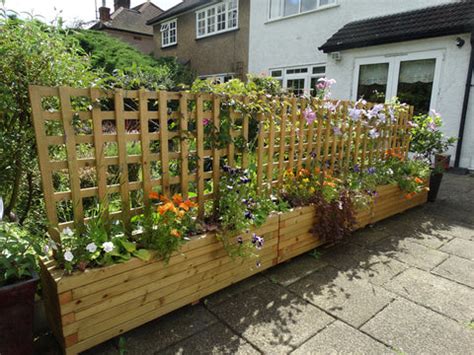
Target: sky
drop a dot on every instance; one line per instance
(71, 10)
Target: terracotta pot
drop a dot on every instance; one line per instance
(16, 317)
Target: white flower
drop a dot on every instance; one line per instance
(390, 171)
(68, 256)
(68, 232)
(46, 249)
(91, 247)
(108, 246)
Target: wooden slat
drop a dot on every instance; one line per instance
(165, 164)
(122, 156)
(245, 135)
(43, 158)
(231, 146)
(261, 142)
(271, 145)
(319, 138)
(184, 144)
(200, 155)
(216, 156)
(145, 146)
(281, 154)
(291, 153)
(301, 124)
(67, 117)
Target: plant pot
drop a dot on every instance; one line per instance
(16, 317)
(435, 183)
(442, 161)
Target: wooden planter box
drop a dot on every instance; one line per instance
(88, 308)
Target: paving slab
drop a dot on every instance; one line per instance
(413, 329)
(346, 256)
(457, 269)
(289, 272)
(217, 339)
(444, 296)
(167, 330)
(460, 247)
(369, 235)
(271, 318)
(411, 253)
(339, 338)
(234, 289)
(354, 301)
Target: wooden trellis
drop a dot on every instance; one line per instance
(117, 147)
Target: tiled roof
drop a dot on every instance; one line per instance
(180, 8)
(448, 19)
(131, 20)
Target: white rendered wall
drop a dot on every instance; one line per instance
(295, 40)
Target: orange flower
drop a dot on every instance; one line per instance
(410, 195)
(175, 233)
(154, 195)
(177, 199)
(167, 207)
(181, 213)
(329, 183)
(317, 170)
(303, 172)
(190, 204)
(418, 180)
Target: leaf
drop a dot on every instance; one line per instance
(143, 254)
(129, 246)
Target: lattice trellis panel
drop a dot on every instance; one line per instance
(108, 148)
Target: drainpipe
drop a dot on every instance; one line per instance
(465, 104)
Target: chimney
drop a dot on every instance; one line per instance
(121, 3)
(104, 14)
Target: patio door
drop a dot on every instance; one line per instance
(413, 78)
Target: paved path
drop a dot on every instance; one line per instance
(405, 285)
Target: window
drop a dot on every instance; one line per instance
(299, 80)
(283, 8)
(413, 78)
(169, 34)
(218, 18)
(218, 78)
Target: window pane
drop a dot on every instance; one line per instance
(415, 83)
(291, 7)
(308, 5)
(373, 82)
(274, 9)
(326, 2)
(295, 86)
(211, 20)
(319, 70)
(277, 73)
(232, 19)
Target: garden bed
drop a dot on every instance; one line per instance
(86, 309)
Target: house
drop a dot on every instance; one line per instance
(376, 49)
(129, 24)
(210, 36)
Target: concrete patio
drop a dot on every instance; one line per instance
(404, 285)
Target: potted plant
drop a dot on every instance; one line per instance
(430, 143)
(18, 280)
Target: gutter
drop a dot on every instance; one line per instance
(465, 104)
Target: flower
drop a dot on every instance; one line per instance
(206, 121)
(240, 240)
(373, 133)
(432, 126)
(410, 195)
(258, 263)
(355, 114)
(108, 246)
(46, 249)
(68, 256)
(309, 115)
(371, 170)
(169, 206)
(257, 241)
(175, 233)
(154, 195)
(337, 131)
(357, 168)
(418, 180)
(91, 247)
(177, 199)
(68, 232)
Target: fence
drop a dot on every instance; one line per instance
(108, 147)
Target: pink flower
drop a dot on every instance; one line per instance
(206, 121)
(309, 115)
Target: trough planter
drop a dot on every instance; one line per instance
(86, 309)
(16, 317)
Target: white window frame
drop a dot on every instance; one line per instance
(281, 9)
(166, 33)
(394, 62)
(295, 76)
(227, 11)
(219, 77)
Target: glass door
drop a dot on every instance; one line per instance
(373, 80)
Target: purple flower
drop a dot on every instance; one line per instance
(432, 126)
(309, 115)
(371, 170)
(382, 117)
(373, 133)
(355, 114)
(357, 168)
(257, 241)
(248, 214)
(240, 240)
(206, 121)
(337, 131)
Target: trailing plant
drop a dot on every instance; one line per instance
(240, 207)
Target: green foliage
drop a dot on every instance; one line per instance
(18, 251)
(426, 136)
(128, 67)
(30, 53)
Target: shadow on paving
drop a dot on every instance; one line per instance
(308, 297)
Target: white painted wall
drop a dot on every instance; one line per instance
(294, 41)
(451, 84)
